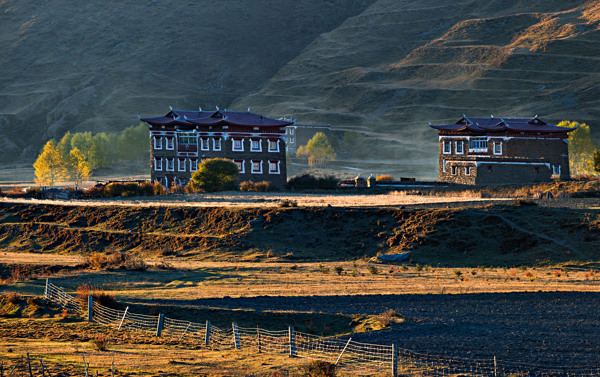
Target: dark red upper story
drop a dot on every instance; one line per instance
(492, 124)
(190, 119)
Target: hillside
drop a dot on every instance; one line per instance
(381, 67)
(512, 235)
(400, 64)
(96, 66)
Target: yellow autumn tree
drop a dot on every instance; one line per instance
(581, 148)
(319, 149)
(50, 167)
(79, 168)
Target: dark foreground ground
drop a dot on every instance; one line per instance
(549, 329)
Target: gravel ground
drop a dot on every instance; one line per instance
(550, 328)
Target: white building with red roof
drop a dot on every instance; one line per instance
(180, 140)
(488, 151)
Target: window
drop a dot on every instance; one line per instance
(255, 145)
(237, 145)
(467, 170)
(193, 164)
(447, 147)
(217, 144)
(181, 164)
(273, 145)
(256, 167)
(204, 144)
(157, 142)
(460, 149)
(478, 144)
(453, 170)
(497, 148)
(157, 164)
(170, 164)
(273, 167)
(555, 169)
(170, 142)
(240, 165)
(188, 138)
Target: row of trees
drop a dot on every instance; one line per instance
(76, 154)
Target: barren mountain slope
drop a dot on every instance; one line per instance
(402, 63)
(94, 65)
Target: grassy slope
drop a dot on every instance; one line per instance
(400, 64)
(95, 68)
(493, 235)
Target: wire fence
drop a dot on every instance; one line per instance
(342, 351)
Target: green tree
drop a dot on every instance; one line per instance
(83, 142)
(98, 155)
(79, 169)
(319, 149)
(215, 174)
(50, 167)
(597, 161)
(64, 145)
(581, 148)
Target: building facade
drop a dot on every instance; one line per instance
(180, 140)
(491, 151)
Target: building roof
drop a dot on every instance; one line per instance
(211, 118)
(484, 125)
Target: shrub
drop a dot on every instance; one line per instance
(318, 368)
(100, 343)
(388, 317)
(457, 273)
(339, 270)
(13, 297)
(373, 269)
(263, 186)
(310, 182)
(287, 203)
(384, 177)
(99, 295)
(323, 269)
(215, 174)
(158, 189)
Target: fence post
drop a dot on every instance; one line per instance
(344, 350)
(258, 335)
(236, 336)
(123, 319)
(207, 335)
(46, 290)
(292, 341)
(161, 321)
(394, 360)
(495, 367)
(90, 308)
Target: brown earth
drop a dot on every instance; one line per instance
(504, 235)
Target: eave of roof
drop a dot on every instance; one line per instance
(218, 117)
(483, 125)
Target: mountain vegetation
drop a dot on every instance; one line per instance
(379, 68)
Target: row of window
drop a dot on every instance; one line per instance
(454, 170)
(190, 139)
(476, 144)
(183, 164)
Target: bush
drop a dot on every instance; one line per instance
(287, 203)
(384, 177)
(319, 368)
(263, 186)
(310, 182)
(99, 295)
(215, 174)
(373, 269)
(388, 317)
(116, 260)
(101, 342)
(158, 189)
(339, 270)
(323, 269)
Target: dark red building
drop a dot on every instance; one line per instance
(482, 151)
(180, 140)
